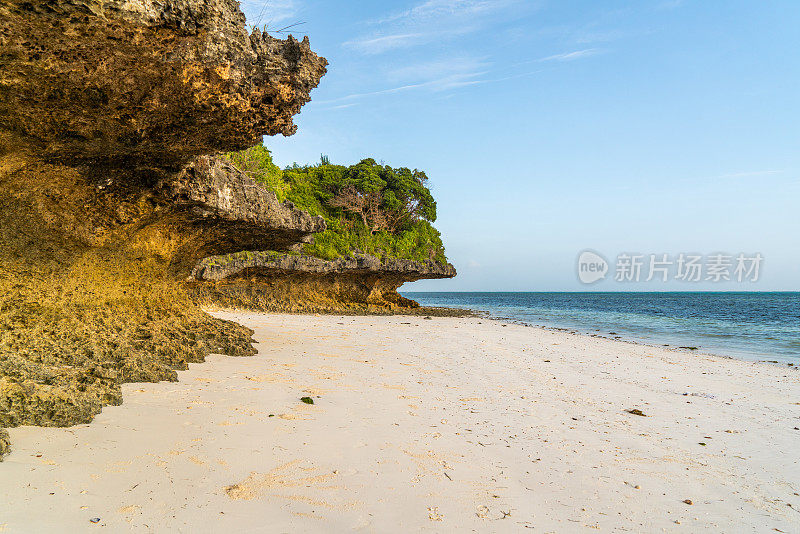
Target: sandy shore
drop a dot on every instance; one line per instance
(441, 425)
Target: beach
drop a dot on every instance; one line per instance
(420, 424)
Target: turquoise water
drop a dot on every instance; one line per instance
(756, 326)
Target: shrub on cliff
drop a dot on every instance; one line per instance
(257, 163)
(370, 208)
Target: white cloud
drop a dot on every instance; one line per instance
(452, 81)
(436, 76)
(426, 22)
(432, 21)
(439, 68)
(588, 37)
(435, 9)
(571, 56)
(269, 12)
(378, 45)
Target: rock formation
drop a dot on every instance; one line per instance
(110, 113)
(138, 83)
(270, 281)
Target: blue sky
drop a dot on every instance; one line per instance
(550, 127)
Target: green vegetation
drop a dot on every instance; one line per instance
(369, 208)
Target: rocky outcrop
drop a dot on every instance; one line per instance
(222, 210)
(144, 83)
(271, 281)
(218, 189)
(110, 113)
(91, 291)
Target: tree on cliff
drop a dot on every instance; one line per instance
(368, 206)
(384, 198)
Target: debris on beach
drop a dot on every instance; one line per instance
(307, 400)
(636, 411)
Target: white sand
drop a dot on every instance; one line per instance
(443, 425)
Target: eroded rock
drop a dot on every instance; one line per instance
(271, 281)
(135, 83)
(108, 109)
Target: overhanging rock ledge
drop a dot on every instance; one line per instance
(111, 113)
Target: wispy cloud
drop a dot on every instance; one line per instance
(435, 21)
(437, 75)
(270, 12)
(435, 9)
(436, 85)
(592, 37)
(563, 57)
(426, 22)
(452, 81)
(378, 45)
(438, 68)
(343, 106)
(571, 56)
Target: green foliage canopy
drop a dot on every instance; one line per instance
(369, 207)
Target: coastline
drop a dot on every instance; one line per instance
(433, 311)
(699, 351)
(425, 425)
(753, 326)
(455, 312)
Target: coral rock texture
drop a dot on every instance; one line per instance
(110, 113)
(138, 82)
(270, 281)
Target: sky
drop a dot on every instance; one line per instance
(552, 127)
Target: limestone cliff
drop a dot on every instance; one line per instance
(270, 281)
(137, 83)
(108, 110)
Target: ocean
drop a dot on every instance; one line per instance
(753, 326)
